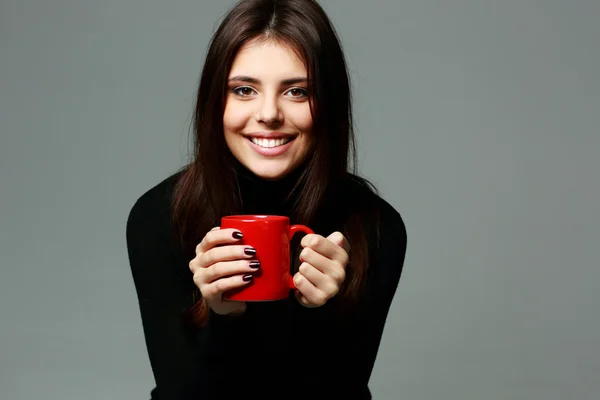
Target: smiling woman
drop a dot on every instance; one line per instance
(273, 136)
(267, 119)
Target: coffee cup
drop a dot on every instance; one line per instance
(270, 235)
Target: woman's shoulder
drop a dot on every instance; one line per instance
(363, 194)
(366, 200)
(154, 205)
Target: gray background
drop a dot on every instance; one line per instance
(478, 120)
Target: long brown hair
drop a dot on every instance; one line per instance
(207, 187)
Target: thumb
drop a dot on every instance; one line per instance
(337, 238)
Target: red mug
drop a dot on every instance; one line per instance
(270, 235)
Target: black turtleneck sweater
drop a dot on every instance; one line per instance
(275, 350)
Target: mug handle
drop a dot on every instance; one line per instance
(291, 232)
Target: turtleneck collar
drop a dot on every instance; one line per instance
(260, 196)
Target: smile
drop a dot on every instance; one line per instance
(270, 147)
(270, 143)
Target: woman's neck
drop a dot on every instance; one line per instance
(261, 196)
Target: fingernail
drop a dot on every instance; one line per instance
(237, 235)
(250, 251)
(254, 264)
(247, 278)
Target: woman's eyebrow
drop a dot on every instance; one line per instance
(249, 79)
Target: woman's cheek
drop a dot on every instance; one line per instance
(235, 117)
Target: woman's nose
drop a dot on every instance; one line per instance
(269, 111)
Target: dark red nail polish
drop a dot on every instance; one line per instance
(247, 278)
(250, 251)
(237, 235)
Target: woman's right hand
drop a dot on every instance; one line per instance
(221, 265)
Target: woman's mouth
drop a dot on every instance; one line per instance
(268, 147)
(270, 143)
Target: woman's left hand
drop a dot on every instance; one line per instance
(323, 268)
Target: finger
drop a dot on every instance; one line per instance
(228, 268)
(333, 269)
(324, 283)
(325, 247)
(311, 294)
(339, 239)
(216, 237)
(226, 253)
(215, 289)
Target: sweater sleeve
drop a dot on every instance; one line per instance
(386, 267)
(179, 356)
(351, 347)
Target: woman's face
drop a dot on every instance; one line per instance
(267, 120)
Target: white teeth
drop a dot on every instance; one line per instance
(269, 143)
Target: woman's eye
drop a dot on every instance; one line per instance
(243, 91)
(298, 92)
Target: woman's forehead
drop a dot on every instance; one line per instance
(273, 60)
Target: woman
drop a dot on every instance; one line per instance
(273, 135)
